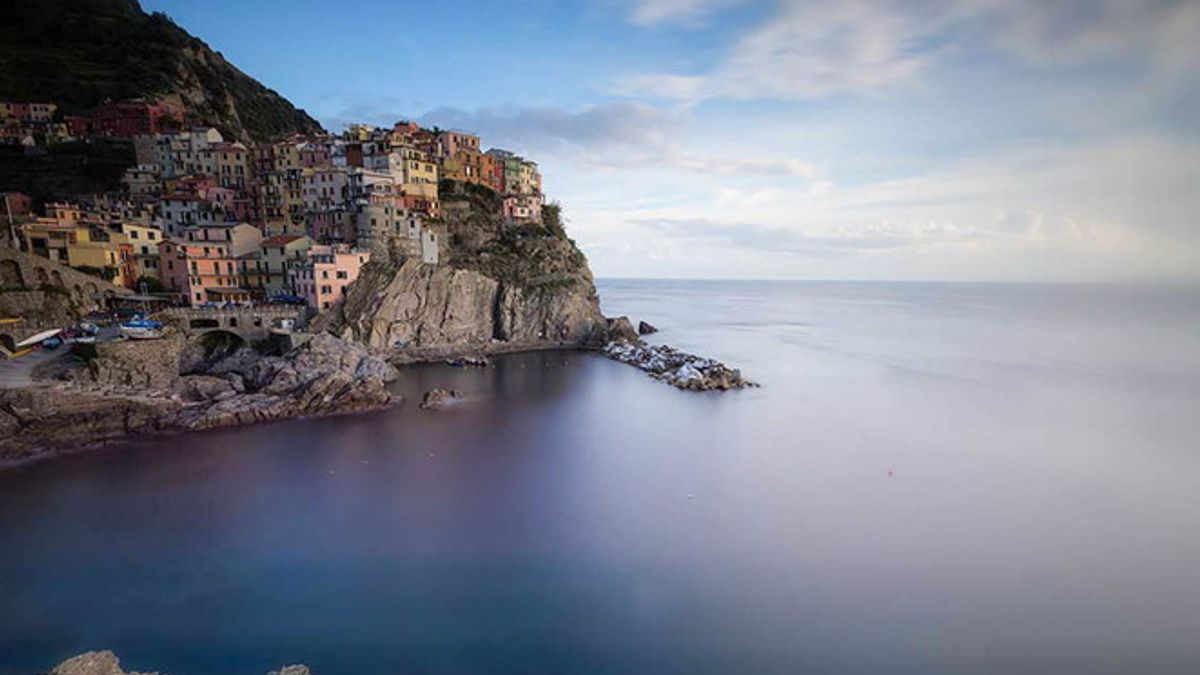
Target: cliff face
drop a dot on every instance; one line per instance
(77, 53)
(497, 285)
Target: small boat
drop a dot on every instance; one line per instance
(141, 329)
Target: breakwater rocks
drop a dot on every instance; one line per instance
(107, 663)
(677, 368)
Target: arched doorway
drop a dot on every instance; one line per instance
(56, 279)
(8, 343)
(41, 276)
(217, 344)
(10, 273)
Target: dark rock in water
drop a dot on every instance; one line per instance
(645, 328)
(479, 361)
(679, 369)
(620, 329)
(107, 663)
(90, 663)
(292, 670)
(436, 399)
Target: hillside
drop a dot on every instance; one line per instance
(78, 53)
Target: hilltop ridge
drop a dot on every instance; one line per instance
(80, 53)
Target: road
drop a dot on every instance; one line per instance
(18, 372)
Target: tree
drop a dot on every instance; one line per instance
(145, 284)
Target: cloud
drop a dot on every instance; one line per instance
(613, 136)
(1122, 209)
(1164, 33)
(628, 125)
(810, 49)
(647, 12)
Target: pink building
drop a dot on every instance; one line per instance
(450, 143)
(323, 278)
(172, 267)
(15, 205)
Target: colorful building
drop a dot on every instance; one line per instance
(126, 119)
(322, 279)
(277, 256)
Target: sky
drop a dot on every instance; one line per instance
(986, 140)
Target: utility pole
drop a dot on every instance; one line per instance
(12, 228)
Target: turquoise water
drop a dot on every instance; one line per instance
(934, 478)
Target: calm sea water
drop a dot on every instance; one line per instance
(935, 478)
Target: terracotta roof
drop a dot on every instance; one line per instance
(280, 240)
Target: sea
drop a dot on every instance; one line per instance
(933, 478)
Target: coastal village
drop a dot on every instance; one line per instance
(228, 283)
(205, 221)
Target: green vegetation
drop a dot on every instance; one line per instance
(150, 285)
(78, 53)
(65, 169)
(532, 255)
(106, 273)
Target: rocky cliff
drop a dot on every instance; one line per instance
(498, 286)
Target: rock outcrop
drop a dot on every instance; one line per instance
(34, 420)
(90, 663)
(498, 286)
(122, 392)
(677, 368)
(324, 376)
(147, 365)
(620, 329)
(645, 328)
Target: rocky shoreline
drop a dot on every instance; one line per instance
(137, 388)
(165, 386)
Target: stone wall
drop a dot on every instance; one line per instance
(36, 288)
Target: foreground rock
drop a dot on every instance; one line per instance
(107, 663)
(322, 377)
(645, 328)
(136, 388)
(677, 368)
(438, 399)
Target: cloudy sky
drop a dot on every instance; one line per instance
(860, 139)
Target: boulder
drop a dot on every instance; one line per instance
(437, 399)
(645, 328)
(209, 387)
(620, 329)
(291, 670)
(90, 663)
